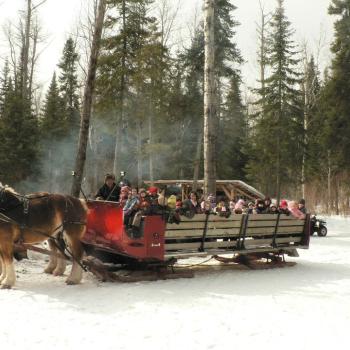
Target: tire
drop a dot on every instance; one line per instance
(322, 231)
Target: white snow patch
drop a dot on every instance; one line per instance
(301, 307)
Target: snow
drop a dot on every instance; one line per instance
(302, 307)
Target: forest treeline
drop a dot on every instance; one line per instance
(290, 140)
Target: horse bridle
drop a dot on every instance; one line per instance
(2, 194)
(3, 199)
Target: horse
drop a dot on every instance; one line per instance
(36, 218)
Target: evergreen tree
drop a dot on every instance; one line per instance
(278, 134)
(227, 53)
(312, 123)
(54, 125)
(132, 70)
(19, 137)
(336, 91)
(56, 145)
(68, 84)
(232, 160)
(4, 86)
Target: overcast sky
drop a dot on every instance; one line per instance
(59, 17)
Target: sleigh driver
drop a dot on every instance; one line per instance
(110, 191)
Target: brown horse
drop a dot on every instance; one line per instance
(35, 218)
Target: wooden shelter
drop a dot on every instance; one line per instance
(231, 188)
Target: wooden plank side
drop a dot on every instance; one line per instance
(212, 217)
(271, 230)
(200, 225)
(187, 225)
(232, 232)
(271, 217)
(230, 244)
(199, 233)
(268, 241)
(196, 245)
(268, 223)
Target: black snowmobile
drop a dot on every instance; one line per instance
(318, 226)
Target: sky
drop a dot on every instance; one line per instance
(59, 18)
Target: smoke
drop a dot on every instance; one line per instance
(172, 150)
(53, 169)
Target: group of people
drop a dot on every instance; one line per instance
(136, 203)
(221, 206)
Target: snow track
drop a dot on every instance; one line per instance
(301, 307)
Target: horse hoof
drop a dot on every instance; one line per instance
(71, 283)
(58, 273)
(48, 271)
(5, 286)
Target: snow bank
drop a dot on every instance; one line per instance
(302, 307)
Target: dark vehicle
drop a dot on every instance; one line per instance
(318, 226)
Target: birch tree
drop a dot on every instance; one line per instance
(209, 99)
(87, 99)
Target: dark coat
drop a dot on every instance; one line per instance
(303, 210)
(112, 194)
(188, 206)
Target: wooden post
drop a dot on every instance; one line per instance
(209, 100)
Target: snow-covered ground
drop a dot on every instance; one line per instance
(302, 307)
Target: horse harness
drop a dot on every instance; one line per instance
(56, 238)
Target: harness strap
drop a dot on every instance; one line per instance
(201, 248)
(56, 240)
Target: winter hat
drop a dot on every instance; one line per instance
(302, 201)
(284, 204)
(240, 204)
(153, 190)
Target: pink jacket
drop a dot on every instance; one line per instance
(297, 213)
(239, 204)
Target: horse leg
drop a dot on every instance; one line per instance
(7, 261)
(77, 250)
(53, 258)
(61, 266)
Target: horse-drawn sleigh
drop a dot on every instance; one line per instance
(97, 228)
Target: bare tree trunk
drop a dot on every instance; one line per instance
(87, 100)
(307, 102)
(121, 124)
(197, 162)
(306, 121)
(34, 57)
(209, 100)
(262, 29)
(25, 50)
(117, 148)
(150, 137)
(139, 155)
(336, 192)
(329, 184)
